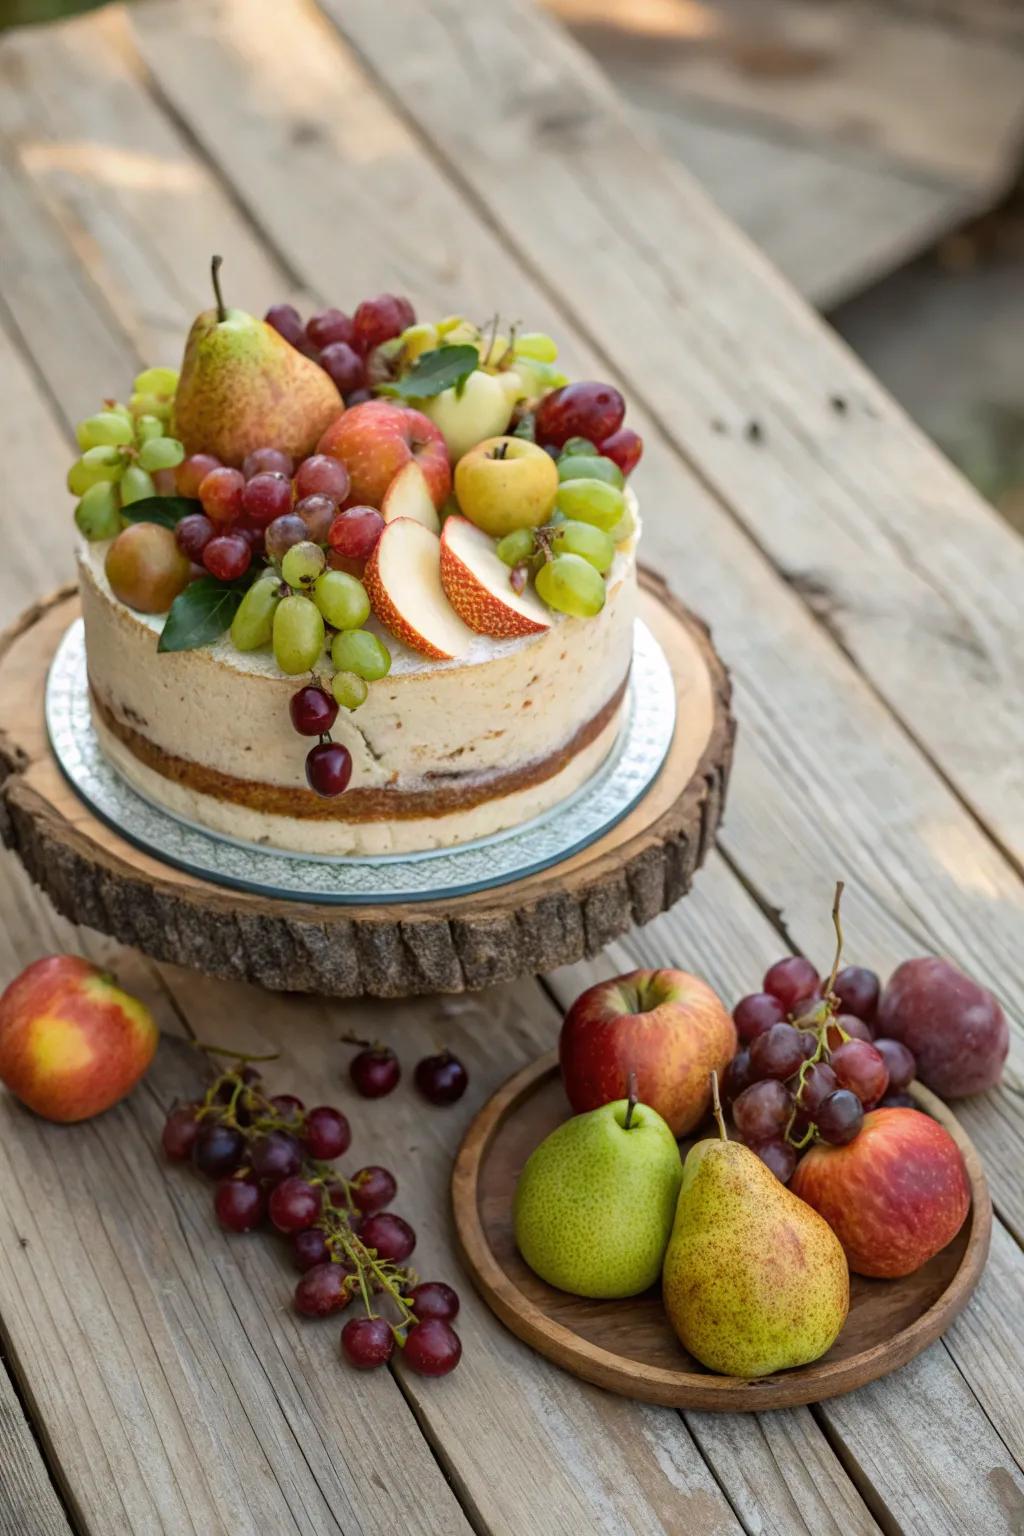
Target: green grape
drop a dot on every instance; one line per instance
(151, 405)
(298, 634)
(147, 427)
(95, 465)
(253, 624)
(625, 527)
(98, 514)
(119, 409)
(591, 501)
(156, 381)
(136, 485)
(585, 540)
(161, 453)
(570, 584)
(361, 652)
(349, 689)
(590, 466)
(534, 344)
(516, 546)
(537, 378)
(303, 563)
(341, 599)
(577, 445)
(105, 429)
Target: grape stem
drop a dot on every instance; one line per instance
(215, 265)
(244, 1056)
(837, 925)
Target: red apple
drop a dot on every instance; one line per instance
(668, 1027)
(894, 1195)
(71, 1042)
(376, 439)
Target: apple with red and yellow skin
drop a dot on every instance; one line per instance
(667, 1026)
(72, 1043)
(894, 1196)
(377, 439)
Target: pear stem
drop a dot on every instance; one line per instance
(837, 925)
(716, 1105)
(215, 265)
(631, 1100)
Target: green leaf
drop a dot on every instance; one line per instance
(433, 372)
(168, 511)
(201, 614)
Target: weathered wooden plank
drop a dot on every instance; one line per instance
(915, 576)
(34, 452)
(29, 1505)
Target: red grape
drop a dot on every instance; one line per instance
(343, 365)
(625, 447)
(221, 494)
(375, 1071)
(898, 1101)
(218, 1150)
(377, 320)
(432, 1298)
(441, 1079)
(390, 1235)
(317, 512)
(839, 1117)
(756, 1013)
(282, 533)
(320, 475)
(288, 1106)
(228, 556)
(778, 1053)
(374, 1189)
(861, 1068)
(328, 326)
(779, 1156)
(819, 1081)
(328, 768)
(193, 533)
(309, 1247)
(354, 532)
(736, 1076)
(791, 979)
(287, 322)
(313, 711)
(857, 989)
(324, 1289)
(432, 1348)
(327, 1134)
(267, 461)
(240, 1204)
(762, 1110)
(266, 496)
(294, 1204)
(191, 473)
(809, 1009)
(358, 396)
(367, 1342)
(899, 1061)
(585, 409)
(276, 1156)
(179, 1133)
(856, 1028)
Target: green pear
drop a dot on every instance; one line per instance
(594, 1204)
(754, 1280)
(242, 386)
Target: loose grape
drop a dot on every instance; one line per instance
(191, 473)
(318, 513)
(283, 533)
(98, 514)
(570, 584)
(106, 428)
(193, 533)
(228, 556)
(839, 1117)
(536, 345)
(362, 652)
(587, 541)
(341, 599)
(221, 494)
(349, 689)
(312, 711)
(580, 466)
(253, 623)
(625, 447)
(354, 533)
(95, 466)
(161, 453)
(432, 1348)
(591, 501)
(585, 409)
(433, 1298)
(298, 635)
(265, 497)
(756, 1013)
(367, 1342)
(156, 381)
(136, 485)
(762, 1110)
(517, 546)
(302, 564)
(267, 461)
(791, 979)
(328, 768)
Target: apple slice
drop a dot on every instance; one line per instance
(408, 496)
(479, 588)
(403, 579)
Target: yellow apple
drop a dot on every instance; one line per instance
(506, 483)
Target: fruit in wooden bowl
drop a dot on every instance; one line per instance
(72, 1043)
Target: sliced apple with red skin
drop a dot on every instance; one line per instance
(478, 585)
(408, 495)
(403, 579)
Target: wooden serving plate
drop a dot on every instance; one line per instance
(628, 1346)
(637, 869)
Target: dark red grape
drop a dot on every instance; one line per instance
(288, 1106)
(375, 1071)
(441, 1079)
(857, 989)
(327, 1134)
(432, 1298)
(344, 366)
(318, 513)
(856, 1028)
(374, 1188)
(320, 475)
(328, 768)
(228, 556)
(283, 533)
(791, 979)
(267, 461)
(310, 1247)
(624, 446)
(736, 1076)
(180, 1131)
(762, 1110)
(377, 320)
(898, 1101)
(324, 1289)
(193, 533)
(432, 1348)
(584, 409)
(819, 1081)
(276, 1156)
(390, 1235)
(367, 1342)
(899, 1061)
(354, 532)
(328, 326)
(312, 710)
(218, 1150)
(359, 396)
(861, 1068)
(266, 497)
(809, 1010)
(839, 1117)
(294, 1204)
(287, 322)
(779, 1156)
(777, 1053)
(240, 1204)
(756, 1013)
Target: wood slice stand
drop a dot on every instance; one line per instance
(636, 870)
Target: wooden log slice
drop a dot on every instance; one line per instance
(636, 870)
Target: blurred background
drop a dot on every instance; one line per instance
(874, 150)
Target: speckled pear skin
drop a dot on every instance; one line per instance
(242, 386)
(754, 1280)
(594, 1203)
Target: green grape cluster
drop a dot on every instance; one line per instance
(122, 448)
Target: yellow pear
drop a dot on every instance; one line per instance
(754, 1281)
(242, 386)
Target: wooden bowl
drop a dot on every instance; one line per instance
(629, 1346)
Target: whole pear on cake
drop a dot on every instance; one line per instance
(242, 387)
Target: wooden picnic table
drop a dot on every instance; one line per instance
(154, 1379)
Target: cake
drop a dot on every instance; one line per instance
(360, 587)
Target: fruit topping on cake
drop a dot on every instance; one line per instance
(309, 489)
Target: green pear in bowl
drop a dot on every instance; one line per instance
(595, 1201)
(754, 1280)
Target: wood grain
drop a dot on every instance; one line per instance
(29, 1505)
